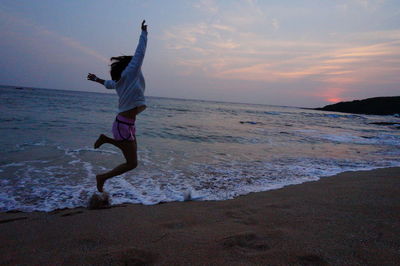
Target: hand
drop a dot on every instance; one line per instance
(92, 77)
(144, 27)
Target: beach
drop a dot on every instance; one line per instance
(352, 218)
(200, 133)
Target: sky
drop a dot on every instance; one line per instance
(305, 53)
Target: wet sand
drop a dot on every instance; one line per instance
(349, 219)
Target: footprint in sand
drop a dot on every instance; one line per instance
(12, 219)
(278, 206)
(71, 213)
(128, 256)
(311, 259)
(89, 244)
(246, 243)
(174, 225)
(251, 243)
(242, 217)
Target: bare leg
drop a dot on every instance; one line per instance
(129, 149)
(104, 139)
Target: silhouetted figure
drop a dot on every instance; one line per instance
(127, 79)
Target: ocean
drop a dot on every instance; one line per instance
(201, 150)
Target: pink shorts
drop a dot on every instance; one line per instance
(124, 128)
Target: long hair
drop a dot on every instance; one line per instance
(118, 64)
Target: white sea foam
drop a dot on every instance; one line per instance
(217, 182)
(202, 182)
(188, 150)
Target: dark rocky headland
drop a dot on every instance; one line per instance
(370, 106)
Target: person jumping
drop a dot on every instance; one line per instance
(127, 79)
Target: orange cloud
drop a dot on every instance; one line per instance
(337, 63)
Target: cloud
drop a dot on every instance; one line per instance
(244, 43)
(208, 6)
(369, 4)
(223, 27)
(40, 30)
(78, 46)
(275, 24)
(250, 57)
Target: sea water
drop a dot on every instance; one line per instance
(187, 148)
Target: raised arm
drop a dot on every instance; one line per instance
(137, 60)
(93, 77)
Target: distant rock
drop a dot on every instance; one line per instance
(370, 106)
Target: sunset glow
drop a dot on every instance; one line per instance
(244, 51)
(334, 100)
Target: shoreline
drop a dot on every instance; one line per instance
(349, 218)
(190, 200)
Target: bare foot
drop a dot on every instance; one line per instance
(100, 141)
(100, 182)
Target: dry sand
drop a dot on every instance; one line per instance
(349, 219)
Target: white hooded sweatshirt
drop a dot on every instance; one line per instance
(130, 87)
